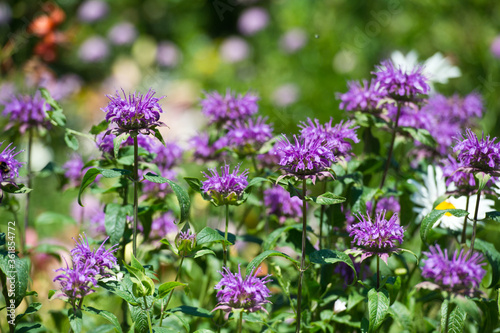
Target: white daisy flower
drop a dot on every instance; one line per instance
(434, 188)
(437, 68)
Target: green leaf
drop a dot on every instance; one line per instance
(432, 217)
(257, 181)
(17, 270)
(52, 219)
(106, 315)
(159, 136)
(203, 252)
(55, 114)
(32, 308)
(71, 141)
(124, 294)
(19, 189)
(209, 235)
(327, 198)
(192, 311)
(117, 141)
(75, 320)
(456, 322)
(273, 237)
(88, 179)
(378, 308)
(421, 135)
(180, 193)
(140, 319)
(115, 220)
(403, 316)
(393, 285)
(114, 173)
(96, 129)
(482, 179)
(194, 183)
(469, 306)
(327, 256)
(489, 308)
(493, 216)
(166, 287)
(266, 254)
(493, 257)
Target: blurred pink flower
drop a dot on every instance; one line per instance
(286, 94)
(168, 54)
(293, 40)
(123, 33)
(93, 49)
(93, 10)
(234, 49)
(253, 20)
(495, 47)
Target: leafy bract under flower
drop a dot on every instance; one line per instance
(226, 188)
(459, 274)
(231, 107)
(306, 157)
(400, 82)
(137, 112)
(377, 237)
(236, 292)
(9, 166)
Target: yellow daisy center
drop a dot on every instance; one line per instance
(445, 205)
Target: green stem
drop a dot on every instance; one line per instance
(136, 203)
(391, 148)
(28, 195)
(321, 217)
(378, 272)
(171, 292)
(464, 229)
(447, 314)
(303, 255)
(473, 239)
(149, 316)
(225, 236)
(240, 322)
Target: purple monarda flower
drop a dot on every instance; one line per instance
(185, 241)
(398, 82)
(248, 294)
(93, 49)
(168, 155)
(459, 274)
(246, 137)
(137, 113)
(227, 187)
(104, 143)
(9, 166)
(231, 107)
(478, 155)
(279, 203)
(337, 134)
(73, 170)
(361, 96)
(203, 150)
(163, 225)
(27, 112)
(377, 237)
(306, 157)
(123, 33)
(102, 259)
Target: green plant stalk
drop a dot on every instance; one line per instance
(447, 314)
(391, 148)
(171, 292)
(224, 247)
(473, 239)
(28, 195)
(321, 216)
(464, 229)
(149, 316)
(240, 322)
(136, 203)
(378, 272)
(303, 255)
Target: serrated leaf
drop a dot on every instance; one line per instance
(378, 309)
(327, 256)
(75, 320)
(469, 306)
(114, 173)
(71, 141)
(180, 193)
(140, 319)
(209, 235)
(493, 257)
(16, 189)
(402, 315)
(194, 183)
(421, 135)
(166, 287)
(19, 272)
(88, 179)
(106, 315)
(96, 129)
(266, 254)
(115, 220)
(457, 320)
(433, 216)
(327, 198)
(124, 294)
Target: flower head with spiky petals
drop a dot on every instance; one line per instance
(338, 134)
(221, 109)
(226, 188)
(185, 241)
(361, 96)
(475, 155)
(103, 260)
(246, 137)
(26, 112)
(461, 274)
(306, 157)
(135, 113)
(235, 292)
(399, 82)
(9, 166)
(377, 237)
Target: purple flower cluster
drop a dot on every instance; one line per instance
(166, 157)
(89, 266)
(306, 157)
(104, 143)
(279, 203)
(377, 237)
(246, 136)
(185, 241)
(389, 204)
(398, 82)
(459, 274)
(478, 155)
(27, 112)
(137, 113)
(73, 170)
(9, 166)
(227, 187)
(163, 225)
(231, 107)
(235, 292)
(203, 149)
(337, 134)
(361, 97)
